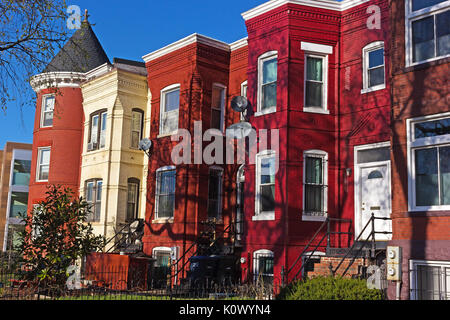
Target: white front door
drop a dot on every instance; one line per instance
(374, 197)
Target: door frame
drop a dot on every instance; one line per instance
(357, 168)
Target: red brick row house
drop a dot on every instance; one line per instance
(349, 102)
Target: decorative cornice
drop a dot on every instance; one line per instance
(239, 44)
(323, 4)
(57, 80)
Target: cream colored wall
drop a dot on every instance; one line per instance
(119, 92)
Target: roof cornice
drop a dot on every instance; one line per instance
(193, 38)
(323, 4)
(239, 44)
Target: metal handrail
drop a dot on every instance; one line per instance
(115, 246)
(326, 235)
(371, 235)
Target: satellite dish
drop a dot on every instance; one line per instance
(239, 130)
(145, 144)
(239, 104)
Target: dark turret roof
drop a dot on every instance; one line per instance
(82, 53)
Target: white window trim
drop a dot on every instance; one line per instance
(410, 17)
(422, 143)
(261, 59)
(164, 91)
(220, 169)
(244, 85)
(38, 163)
(44, 97)
(324, 108)
(163, 219)
(365, 56)
(256, 255)
(324, 156)
(413, 273)
(223, 106)
(269, 215)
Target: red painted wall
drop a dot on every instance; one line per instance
(354, 119)
(65, 139)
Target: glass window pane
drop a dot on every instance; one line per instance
(427, 188)
(45, 156)
(19, 203)
(217, 97)
(166, 206)
(376, 77)
(21, 175)
(376, 58)
(94, 129)
(269, 93)
(374, 155)
(169, 122)
(48, 119)
(43, 172)
(314, 170)
(172, 100)
(268, 170)
(314, 199)
(99, 190)
(420, 4)
(432, 128)
(314, 69)
(270, 71)
(136, 121)
(423, 39)
(216, 119)
(443, 33)
(428, 282)
(267, 198)
(49, 104)
(444, 159)
(89, 192)
(314, 94)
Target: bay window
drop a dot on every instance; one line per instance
(93, 195)
(97, 130)
(215, 193)
(165, 192)
(218, 107)
(48, 106)
(265, 185)
(429, 163)
(137, 124)
(428, 30)
(267, 82)
(169, 109)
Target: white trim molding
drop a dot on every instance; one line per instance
(317, 48)
(443, 277)
(323, 4)
(57, 80)
(239, 44)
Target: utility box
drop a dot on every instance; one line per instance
(394, 263)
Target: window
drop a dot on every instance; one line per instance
(428, 30)
(315, 86)
(170, 105)
(315, 187)
(137, 122)
(267, 83)
(429, 162)
(132, 199)
(21, 172)
(93, 196)
(373, 67)
(48, 106)
(97, 130)
(430, 280)
(19, 203)
(162, 256)
(316, 77)
(215, 193)
(165, 193)
(265, 185)
(218, 107)
(263, 261)
(43, 164)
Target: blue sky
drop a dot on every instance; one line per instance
(133, 28)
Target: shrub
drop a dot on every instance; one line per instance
(329, 288)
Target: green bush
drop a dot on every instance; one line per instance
(329, 288)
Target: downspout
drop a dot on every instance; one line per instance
(286, 215)
(339, 161)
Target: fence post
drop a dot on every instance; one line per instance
(372, 251)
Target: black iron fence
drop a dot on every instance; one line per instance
(123, 283)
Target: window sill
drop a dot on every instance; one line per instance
(314, 218)
(265, 111)
(373, 89)
(266, 216)
(316, 110)
(162, 220)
